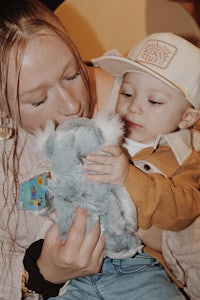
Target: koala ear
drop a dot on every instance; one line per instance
(49, 147)
(111, 127)
(43, 138)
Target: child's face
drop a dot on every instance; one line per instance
(149, 107)
(50, 86)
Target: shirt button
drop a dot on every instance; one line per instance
(147, 167)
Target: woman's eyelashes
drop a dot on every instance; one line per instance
(36, 104)
(75, 75)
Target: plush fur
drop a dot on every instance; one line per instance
(66, 149)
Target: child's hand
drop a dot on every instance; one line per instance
(112, 168)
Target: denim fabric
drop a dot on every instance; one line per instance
(141, 277)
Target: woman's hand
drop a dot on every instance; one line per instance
(112, 168)
(77, 256)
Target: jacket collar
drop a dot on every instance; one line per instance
(180, 142)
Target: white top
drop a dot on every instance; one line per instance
(27, 230)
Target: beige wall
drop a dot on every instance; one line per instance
(100, 25)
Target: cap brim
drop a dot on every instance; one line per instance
(118, 66)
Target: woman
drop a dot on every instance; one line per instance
(19, 228)
(43, 77)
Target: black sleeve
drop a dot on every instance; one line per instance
(52, 4)
(36, 281)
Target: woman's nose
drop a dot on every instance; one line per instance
(68, 104)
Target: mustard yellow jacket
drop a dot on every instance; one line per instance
(164, 181)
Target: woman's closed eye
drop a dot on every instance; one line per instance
(40, 102)
(75, 75)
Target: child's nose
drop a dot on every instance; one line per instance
(135, 106)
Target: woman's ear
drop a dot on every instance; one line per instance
(190, 117)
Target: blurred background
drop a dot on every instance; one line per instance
(97, 26)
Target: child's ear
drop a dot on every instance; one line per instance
(190, 117)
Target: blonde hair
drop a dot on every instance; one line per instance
(20, 22)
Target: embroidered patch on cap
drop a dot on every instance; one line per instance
(158, 53)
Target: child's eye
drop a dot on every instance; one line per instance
(36, 104)
(126, 94)
(154, 102)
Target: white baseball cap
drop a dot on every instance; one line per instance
(166, 56)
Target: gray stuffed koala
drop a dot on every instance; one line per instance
(66, 149)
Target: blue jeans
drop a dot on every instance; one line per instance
(141, 277)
